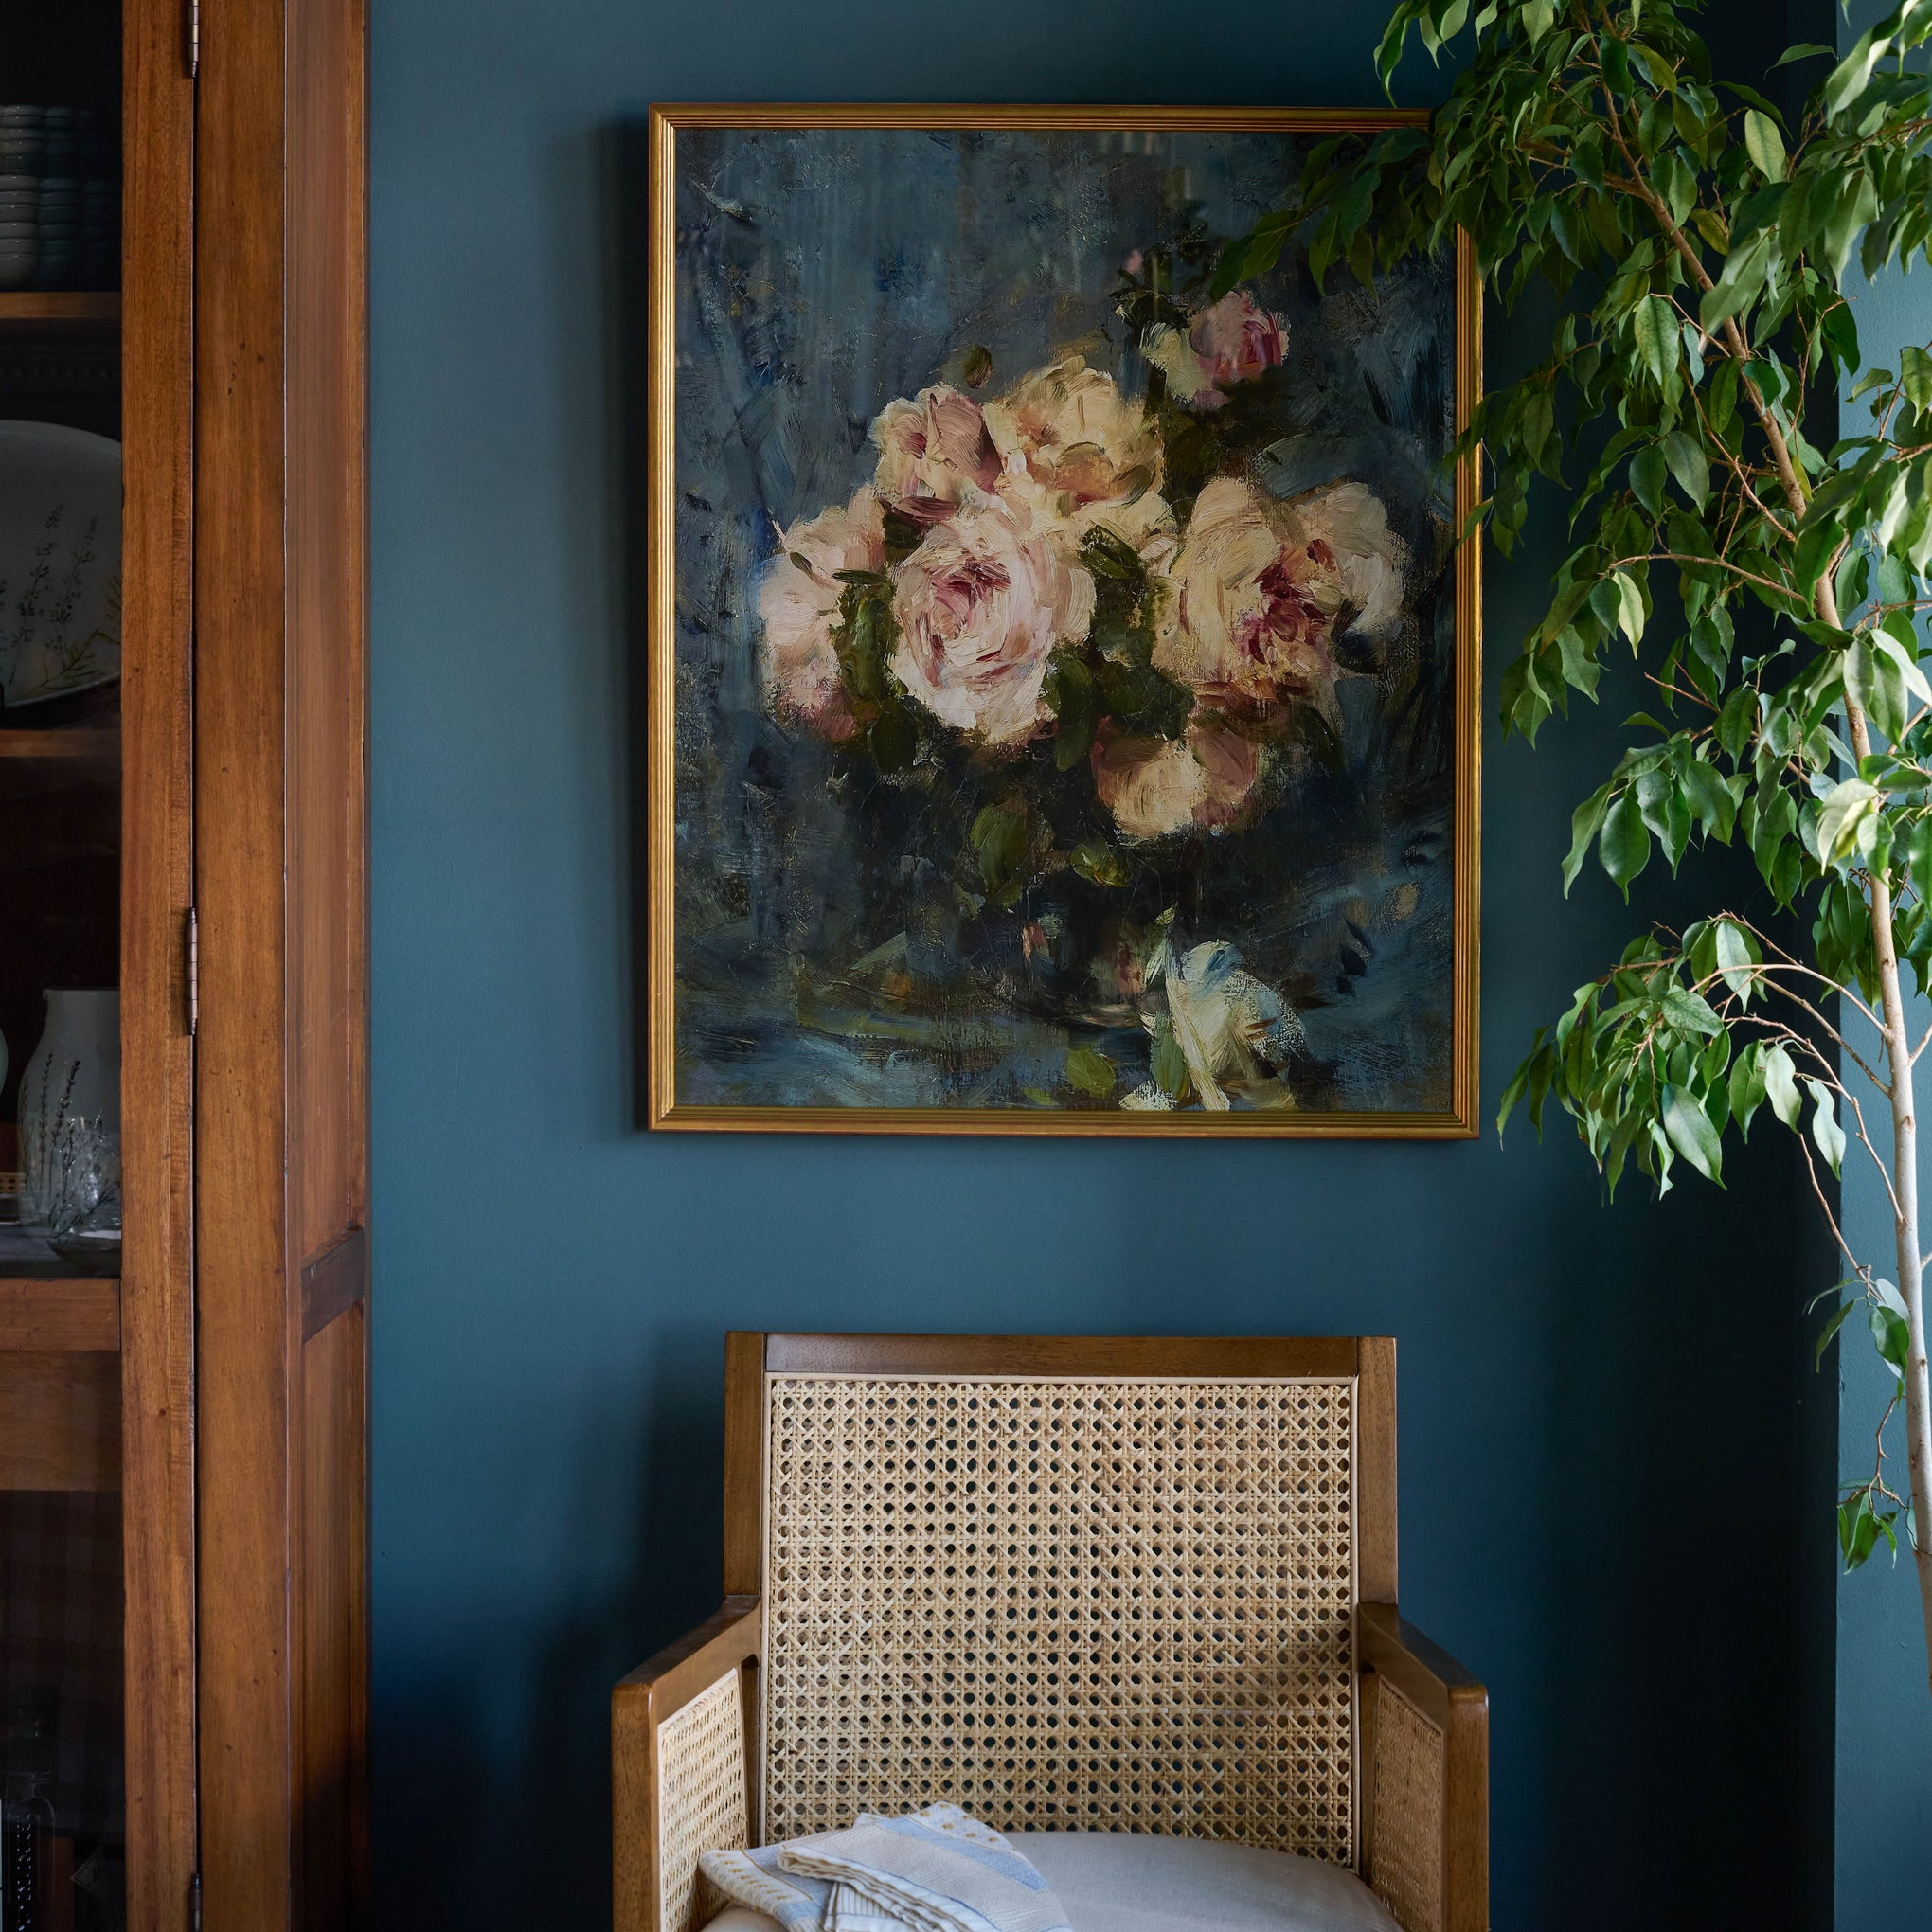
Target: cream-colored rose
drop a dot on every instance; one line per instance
(1232, 341)
(798, 599)
(1076, 452)
(934, 454)
(1155, 786)
(1262, 588)
(980, 605)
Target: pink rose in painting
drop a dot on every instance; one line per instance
(1264, 587)
(1233, 341)
(981, 604)
(1077, 452)
(798, 598)
(1205, 779)
(1237, 339)
(934, 453)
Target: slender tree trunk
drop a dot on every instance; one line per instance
(1898, 1049)
(1906, 1227)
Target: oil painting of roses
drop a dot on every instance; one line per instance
(1063, 664)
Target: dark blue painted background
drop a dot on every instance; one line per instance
(1602, 1409)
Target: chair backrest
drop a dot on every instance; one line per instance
(1066, 1582)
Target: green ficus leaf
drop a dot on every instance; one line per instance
(1629, 606)
(1625, 844)
(1915, 376)
(1780, 1083)
(1746, 1087)
(1736, 955)
(1647, 473)
(1653, 323)
(1585, 822)
(1826, 1132)
(1765, 145)
(1692, 1134)
(1890, 1335)
(1831, 1328)
(1688, 465)
(1740, 283)
(1690, 1013)
(1845, 805)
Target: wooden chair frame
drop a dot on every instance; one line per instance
(687, 1752)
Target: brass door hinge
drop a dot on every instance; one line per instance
(194, 1904)
(193, 39)
(191, 979)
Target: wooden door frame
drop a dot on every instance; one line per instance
(280, 421)
(157, 1330)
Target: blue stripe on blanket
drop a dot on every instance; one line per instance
(997, 1858)
(853, 1881)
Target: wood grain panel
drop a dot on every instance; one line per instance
(60, 1421)
(82, 1314)
(326, 620)
(157, 1320)
(1375, 1472)
(1087, 1356)
(325, 793)
(280, 758)
(250, 1314)
(333, 1725)
(744, 1366)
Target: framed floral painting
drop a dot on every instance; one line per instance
(1064, 682)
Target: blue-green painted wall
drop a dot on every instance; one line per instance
(1601, 1410)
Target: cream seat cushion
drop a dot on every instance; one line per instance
(1126, 1882)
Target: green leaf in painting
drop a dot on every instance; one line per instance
(1091, 1072)
(999, 840)
(1095, 859)
(1167, 1062)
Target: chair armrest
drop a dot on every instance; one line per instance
(1425, 1788)
(680, 1769)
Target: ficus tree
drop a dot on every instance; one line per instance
(1768, 575)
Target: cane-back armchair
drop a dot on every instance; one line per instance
(1068, 1583)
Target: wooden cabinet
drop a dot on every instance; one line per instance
(192, 1424)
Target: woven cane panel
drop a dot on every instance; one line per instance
(1062, 1606)
(1407, 1872)
(700, 1798)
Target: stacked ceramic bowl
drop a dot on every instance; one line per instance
(19, 230)
(59, 214)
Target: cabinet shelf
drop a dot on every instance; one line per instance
(101, 747)
(90, 308)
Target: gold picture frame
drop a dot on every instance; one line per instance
(1455, 1122)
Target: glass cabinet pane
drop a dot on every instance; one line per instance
(62, 1725)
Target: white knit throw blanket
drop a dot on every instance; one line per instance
(936, 1870)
